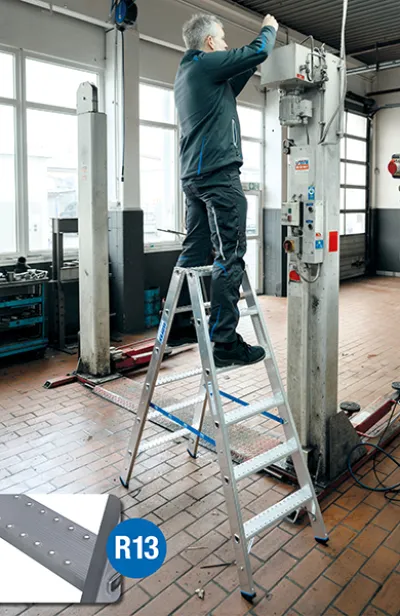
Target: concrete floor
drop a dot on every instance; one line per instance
(68, 440)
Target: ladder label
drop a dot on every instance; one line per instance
(161, 331)
(136, 548)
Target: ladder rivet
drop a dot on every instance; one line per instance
(42, 511)
(51, 552)
(226, 479)
(217, 424)
(67, 562)
(129, 452)
(16, 496)
(37, 543)
(22, 535)
(86, 537)
(56, 519)
(71, 527)
(10, 525)
(237, 538)
(167, 311)
(147, 386)
(29, 504)
(198, 321)
(207, 371)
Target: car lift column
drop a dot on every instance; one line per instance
(93, 235)
(309, 84)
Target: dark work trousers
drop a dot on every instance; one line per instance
(216, 211)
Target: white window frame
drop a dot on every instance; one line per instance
(21, 106)
(173, 244)
(344, 211)
(259, 237)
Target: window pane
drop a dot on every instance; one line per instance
(156, 104)
(251, 260)
(356, 125)
(52, 84)
(341, 224)
(356, 174)
(251, 170)
(355, 199)
(158, 195)
(7, 175)
(343, 148)
(355, 223)
(343, 173)
(52, 174)
(250, 122)
(253, 211)
(342, 199)
(356, 150)
(7, 75)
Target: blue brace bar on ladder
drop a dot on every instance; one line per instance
(183, 424)
(243, 403)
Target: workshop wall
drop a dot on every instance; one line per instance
(386, 193)
(75, 30)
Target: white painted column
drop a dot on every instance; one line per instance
(93, 235)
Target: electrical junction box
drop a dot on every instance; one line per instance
(312, 249)
(290, 213)
(289, 67)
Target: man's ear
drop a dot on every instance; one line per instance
(210, 42)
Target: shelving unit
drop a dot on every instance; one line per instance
(23, 320)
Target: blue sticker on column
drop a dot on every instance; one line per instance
(311, 193)
(319, 244)
(161, 332)
(136, 548)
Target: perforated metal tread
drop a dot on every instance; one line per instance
(56, 542)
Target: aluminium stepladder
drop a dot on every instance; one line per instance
(210, 396)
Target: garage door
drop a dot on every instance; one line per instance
(354, 196)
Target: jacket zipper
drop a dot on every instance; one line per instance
(234, 133)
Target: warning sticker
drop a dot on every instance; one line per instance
(319, 244)
(302, 165)
(161, 332)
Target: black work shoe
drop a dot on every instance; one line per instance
(182, 335)
(242, 354)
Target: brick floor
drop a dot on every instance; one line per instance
(68, 440)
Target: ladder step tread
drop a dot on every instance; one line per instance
(180, 376)
(277, 512)
(265, 459)
(189, 308)
(245, 412)
(244, 312)
(248, 312)
(160, 440)
(184, 404)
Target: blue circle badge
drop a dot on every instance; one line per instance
(136, 548)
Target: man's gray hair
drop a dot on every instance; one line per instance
(196, 30)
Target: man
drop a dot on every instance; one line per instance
(207, 83)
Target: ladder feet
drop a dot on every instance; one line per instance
(249, 596)
(191, 455)
(125, 484)
(323, 540)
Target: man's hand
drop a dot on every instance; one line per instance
(269, 20)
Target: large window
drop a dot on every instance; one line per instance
(159, 184)
(251, 124)
(40, 177)
(8, 212)
(353, 175)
